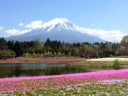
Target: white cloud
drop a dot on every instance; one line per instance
(1, 28)
(35, 24)
(93, 24)
(21, 24)
(113, 35)
(14, 32)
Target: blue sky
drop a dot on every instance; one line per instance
(104, 15)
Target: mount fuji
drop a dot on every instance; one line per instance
(59, 29)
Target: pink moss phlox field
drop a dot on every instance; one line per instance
(76, 75)
(42, 59)
(61, 59)
(36, 82)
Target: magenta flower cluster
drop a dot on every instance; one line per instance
(42, 59)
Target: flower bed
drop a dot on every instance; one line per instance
(42, 59)
(37, 82)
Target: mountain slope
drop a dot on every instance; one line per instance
(57, 29)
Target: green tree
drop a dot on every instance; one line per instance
(38, 44)
(3, 44)
(11, 44)
(6, 54)
(18, 48)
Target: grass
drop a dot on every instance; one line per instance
(109, 59)
(103, 63)
(98, 64)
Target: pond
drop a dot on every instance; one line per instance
(24, 70)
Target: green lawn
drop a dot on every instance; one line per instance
(109, 59)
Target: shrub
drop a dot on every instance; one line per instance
(6, 54)
(116, 64)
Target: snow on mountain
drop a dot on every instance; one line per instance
(59, 24)
(57, 29)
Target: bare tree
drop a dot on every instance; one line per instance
(124, 41)
(124, 45)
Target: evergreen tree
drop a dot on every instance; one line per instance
(3, 44)
(18, 48)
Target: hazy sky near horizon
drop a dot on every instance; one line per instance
(107, 15)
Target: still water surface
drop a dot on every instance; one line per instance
(23, 70)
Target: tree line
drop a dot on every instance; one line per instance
(11, 49)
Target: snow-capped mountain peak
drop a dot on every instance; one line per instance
(58, 24)
(58, 29)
